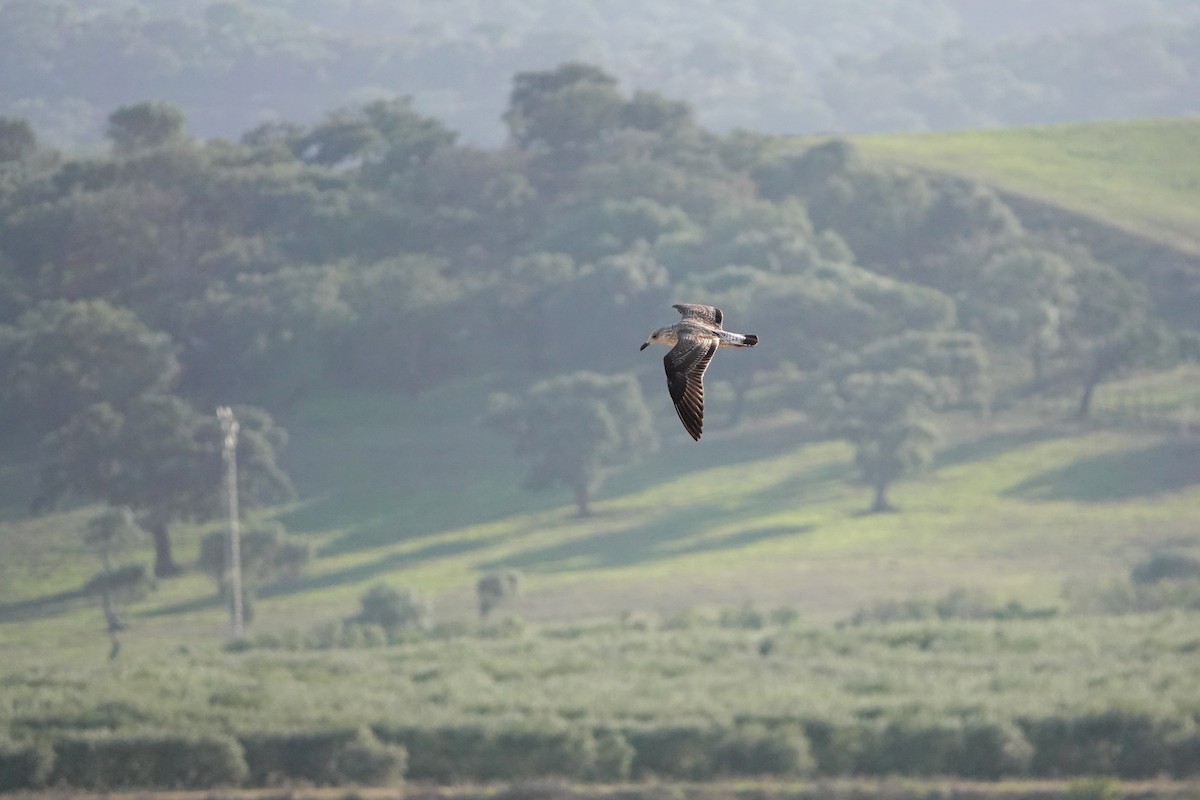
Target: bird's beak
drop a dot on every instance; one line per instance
(644, 345)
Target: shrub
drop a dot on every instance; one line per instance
(837, 749)
(1185, 754)
(906, 748)
(527, 754)
(673, 752)
(496, 588)
(167, 761)
(1094, 789)
(468, 752)
(991, 751)
(614, 757)
(267, 554)
(324, 758)
(446, 754)
(24, 766)
(367, 761)
(1114, 742)
(755, 750)
(745, 616)
(392, 609)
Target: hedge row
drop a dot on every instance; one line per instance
(160, 761)
(475, 753)
(1124, 745)
(325, 758)
(1115, 743)
(106, 761)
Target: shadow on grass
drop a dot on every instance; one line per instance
(374, 515)
(665, 537)
(991, 446)
(371, 569)
(1166, 467)
(40, 607)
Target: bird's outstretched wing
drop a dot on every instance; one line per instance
(685, 364)
(709, 314)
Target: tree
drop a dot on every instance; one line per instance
(61, 357)
(121, 242)
(163, 460)
(408, 299)
(267, 555)
(884, 415)
(387, 136)
(589, 231)
(392, 609)
(151, 123)
(573, 428)
(523, 293)
(496, 588)
(1112, 328)
(109, 534)
(570, 105)
(263, 338)
(955, 362)
(1023, 298)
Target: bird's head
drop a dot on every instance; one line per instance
(661, 336)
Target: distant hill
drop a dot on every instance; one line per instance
(1130, 190)
(795, 68)
(1140, 176)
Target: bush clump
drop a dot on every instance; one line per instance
(392, 609)
(24, 766)
(167, 761)
(469, 752)
(1111, 743)
(756, 750)
(324, 758)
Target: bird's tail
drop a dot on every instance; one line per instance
(748, 340)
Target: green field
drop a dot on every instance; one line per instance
(1012, 508)
(1137, 175)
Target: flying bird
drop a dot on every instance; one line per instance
(693, 341)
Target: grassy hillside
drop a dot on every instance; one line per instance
(1140, 175)
(752, 514)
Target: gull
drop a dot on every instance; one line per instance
(693, 341)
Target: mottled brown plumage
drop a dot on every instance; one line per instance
(693, 342)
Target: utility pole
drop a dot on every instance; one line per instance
(229, 426)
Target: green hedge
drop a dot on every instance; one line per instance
(166, 761)
(1109, 743)
(979, 749)
(471, 752)
(700, 753)
(323, 758)
(1115, 743)
(26, 766)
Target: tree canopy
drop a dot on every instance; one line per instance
(572, 428)
(372, 250)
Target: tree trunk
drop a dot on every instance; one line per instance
(881, 503)
(1085, 402)
(1091, 380)
(110, 613)
(164, 563)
